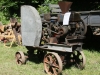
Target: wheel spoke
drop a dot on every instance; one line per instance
(55, 65)
(54, 60)
(47, 60)
(54, 71)
(50, 57)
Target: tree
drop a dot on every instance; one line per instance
(11, 7)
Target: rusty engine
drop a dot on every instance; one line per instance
(55, 32)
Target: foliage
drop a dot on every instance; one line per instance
(5, 6)
(3, 19)
(8, 8)
(11, 8)
(43, 8)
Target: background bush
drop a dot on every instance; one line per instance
(11, 8)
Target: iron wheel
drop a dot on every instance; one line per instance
(79, 59)
(52, 64)
(20, 58)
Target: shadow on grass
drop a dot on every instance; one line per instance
(34, 58)
(34, 55)
(92, 44)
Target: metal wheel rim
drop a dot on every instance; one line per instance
(79, 59)
(20, 58)
(52, 65)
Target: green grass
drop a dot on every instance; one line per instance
(8, 65)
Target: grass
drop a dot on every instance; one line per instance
(8, 65)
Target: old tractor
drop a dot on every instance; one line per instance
(56, 37)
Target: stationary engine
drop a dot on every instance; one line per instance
(54, 39)
(55, 32)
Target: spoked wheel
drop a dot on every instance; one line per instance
(81, 28)
(20, 57)
(52, 64)
(79, 59)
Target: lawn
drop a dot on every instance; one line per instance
(8, 65)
